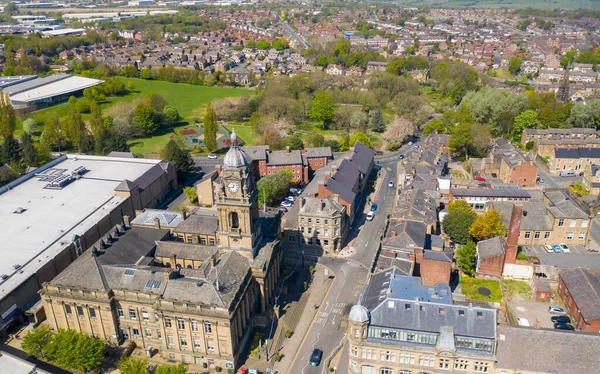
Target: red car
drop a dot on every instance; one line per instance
(480, 178)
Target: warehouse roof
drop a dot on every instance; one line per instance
(53, 88)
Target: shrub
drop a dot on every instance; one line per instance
(522, 256)
(83, 105)
(191, 194)
(31, 126)
(288, 333)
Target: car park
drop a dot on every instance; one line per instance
(556, 249)
(548, 248)
(373, 207)
(563, 326)
(560, 319)
(564, 248)
(391, 184)
(315, 357)
(553, 309)
(370, 216)
(212, 156)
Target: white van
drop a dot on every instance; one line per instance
(523, 321)
(567, 173)
(370, 216)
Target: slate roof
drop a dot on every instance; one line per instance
(363, 157)
(490, 248)
(490, 192)
(198, 224)
(293, 157)
(150, 176)
(408, 235)
(319, 152)
(338, 188)
(445, 256)
(256, 153)
(577, 153)
(126, 186)
(326, 207)
(185, 251)
(584, 288)
(526, 349)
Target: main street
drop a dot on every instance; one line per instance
(327, 332)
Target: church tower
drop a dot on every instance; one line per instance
(237, 203)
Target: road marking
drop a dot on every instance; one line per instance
(333, 321)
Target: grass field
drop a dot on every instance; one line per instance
(244, 132)
(471, 285)
(541, 4)
(189, 100)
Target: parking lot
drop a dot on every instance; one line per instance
(578, 257)
(534, 311)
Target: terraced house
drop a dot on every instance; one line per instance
(180, 301)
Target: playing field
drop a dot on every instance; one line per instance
(541, 4)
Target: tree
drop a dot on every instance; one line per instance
(130, 365)
(8, 120)
(96, 120)
(514, 65)
(145, 118)
(53, 135)
(314, 139)
(480, 138)
(399, 130)
(322, 108)
(465, 258)
(171, 115)
(458, 91)
(28, 152)
(487, 226)
(376, 121)
(460, 141)
(435, 126)
(156, 101)
(30, 125)
(294, 142)
(191, 194)
(396, 66)
(183, 162)
(526, 120)
(584, 114)
(170, 369)
(11, 151)
(210, 128)
(360, 137)
(75, 127)
(36, 341)
(274, 186)
(459, 206)
(74, 351)
(457, 224)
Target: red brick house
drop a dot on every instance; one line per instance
(490, 256)
(580, 292)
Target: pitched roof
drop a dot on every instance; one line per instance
(199, 224)
(293, 157)
(585, 291)
(150, 176)
(490, 247)
(318, 152)
(363, 156)
(126, 186)
(406, 235)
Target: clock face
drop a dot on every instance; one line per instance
(233, 187)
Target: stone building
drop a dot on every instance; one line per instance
(185, 302)
(510, 164)
(580, 292)
(404, 327)
(591, 179)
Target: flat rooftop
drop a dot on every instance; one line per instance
(49, 218)
(55, 88)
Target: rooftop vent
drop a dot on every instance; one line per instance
(16, 266)
(129, 272)
(19, 210)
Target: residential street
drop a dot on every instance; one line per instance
(329, 326)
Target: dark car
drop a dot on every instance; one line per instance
(563, 326)
(373, 207)
(561, 319)
(315, 357)
(401, 157)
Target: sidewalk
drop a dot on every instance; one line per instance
(301, 316)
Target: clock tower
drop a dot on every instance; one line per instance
(237, 203)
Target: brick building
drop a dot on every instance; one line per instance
(510, 164)
(580, 292)
(490, 256)
(478, 197)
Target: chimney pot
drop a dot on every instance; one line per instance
(157, 223)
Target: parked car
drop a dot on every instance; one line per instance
(523, 321)
(315, 357)
(480, 178)
(370, 216)
(401, 157)
(560, 319)
(295, 191)
(556, 310)
(556, 249)
(212, 156)
(373, 207)
(563, 326)
(567, 174)
(291, 198)
(564, 248)
(287, 203)
(410, 143)
(391, 184)
(548, 248)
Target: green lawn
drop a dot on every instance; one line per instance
(307, 128)
(189, 100)
(244, 132)
(514, 287)
(471, 285)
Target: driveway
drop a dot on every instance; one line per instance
(535, 312)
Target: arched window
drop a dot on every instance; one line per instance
(234, 221)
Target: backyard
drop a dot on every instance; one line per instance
(471, 289)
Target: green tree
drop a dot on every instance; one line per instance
(210, 128)
(344, 143)
(36, 341)
(191, 194)
(30, 125)
(465, 258)
(8, 120)
(130, 365)
(457, 224)
(526, 120)
(170, 369)
(171, 115)
(183, 162)
(396, 66)
(75, 127)
(460, 141)
(458, 91)
(274, 186)
(314, 139)
(156, 101)
(514, 65)
(459, 206)
(322, 61)
(96, 120)
(360, 137)
(53, 135)
(11, 151)
(74, 351)
(322, 108)
(435, 126)
(28, 152)
(376, 121)
(294, 142)
(144, 116)
(487, 226)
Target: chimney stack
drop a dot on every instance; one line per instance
(183, 215)
(393, 233)
(287, 149)
(126, 220)
(157, 223)
(512, 240)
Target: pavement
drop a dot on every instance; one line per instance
(328, 327)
